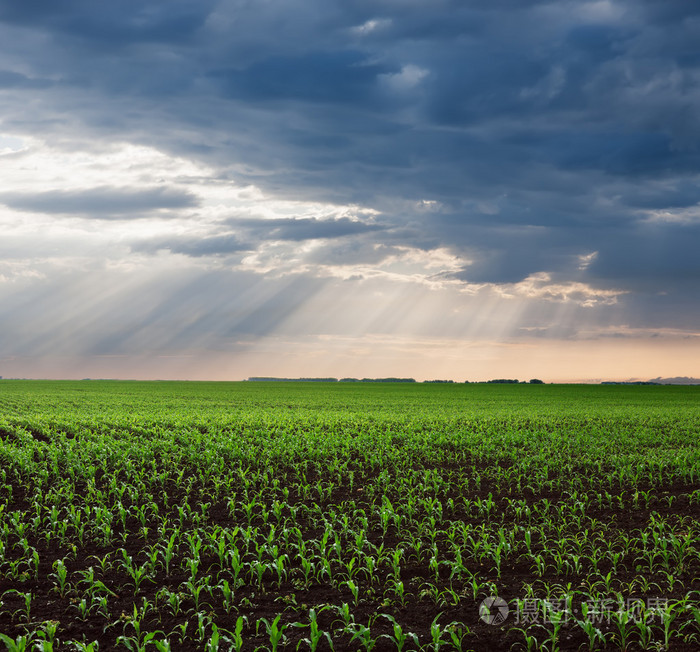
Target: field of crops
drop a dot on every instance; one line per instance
(312, 516)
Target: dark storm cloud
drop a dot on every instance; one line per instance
(680, 194)
(102, 202)
(344, 76)
(543, 131)
(107, 24)
(655, 256)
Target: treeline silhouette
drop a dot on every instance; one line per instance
(534, 381)
(331, 380)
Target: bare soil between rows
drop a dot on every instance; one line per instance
(415, 613)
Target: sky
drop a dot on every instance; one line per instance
(217, 189)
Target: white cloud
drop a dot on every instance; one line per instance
(406, 80)
(371, 25)
(541, 286)
(585, 260)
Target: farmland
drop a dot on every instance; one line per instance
(204, 516)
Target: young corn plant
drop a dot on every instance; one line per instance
(316, 634)
(354, 589)
(625, 624)
(23, 643)
(138, 574)
(596, 638)
(363, 635)
(398, 637)
(61, 575)
(274, 631)
(237, 634)
(47, 636)
(140, 643)
(26, 610)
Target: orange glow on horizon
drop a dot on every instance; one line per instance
(588, 361)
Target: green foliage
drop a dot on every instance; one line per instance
(125, 506)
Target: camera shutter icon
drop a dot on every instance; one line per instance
(493, 610)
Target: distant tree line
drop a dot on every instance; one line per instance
(330, 380)
(388, 380)
(506, 381)
(515, 381)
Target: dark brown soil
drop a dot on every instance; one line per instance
(293, 599)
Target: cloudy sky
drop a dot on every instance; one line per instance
(214, 189)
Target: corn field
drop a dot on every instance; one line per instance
(310, 516)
